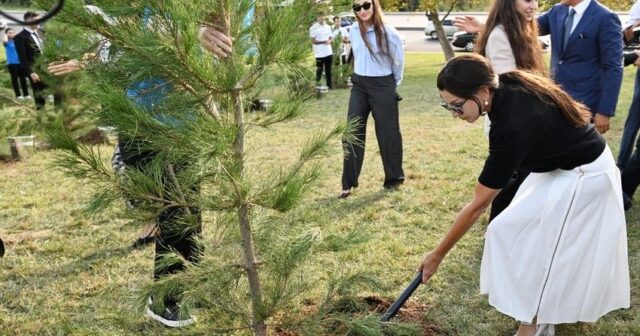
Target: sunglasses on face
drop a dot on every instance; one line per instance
(365, 6)
(453, 108)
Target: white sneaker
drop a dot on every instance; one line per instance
(21, 98)
(28, 97)
(50, 98)
(171, 317)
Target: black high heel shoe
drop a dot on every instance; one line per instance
(344, 194)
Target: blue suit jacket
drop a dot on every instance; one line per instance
(590, 66)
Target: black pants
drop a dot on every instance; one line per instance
(376, 95)
(172, 236)
(18, 80)
(631, 172)
(505, 196)
(324, 62)
(38, 94)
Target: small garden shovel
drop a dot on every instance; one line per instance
(395, 307)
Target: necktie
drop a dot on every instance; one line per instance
(36, 38)
(568, 24)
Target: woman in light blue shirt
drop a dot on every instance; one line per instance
(13, 64)
(378, 58)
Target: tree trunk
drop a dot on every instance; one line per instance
(244, 222)
(442, 37)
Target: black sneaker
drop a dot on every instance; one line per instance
(170, 317)
(1, 249)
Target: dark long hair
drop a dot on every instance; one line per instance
(377, 19)
(464, 75)
(522, 34)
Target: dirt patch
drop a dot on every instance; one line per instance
(412, 312)
(26, 236)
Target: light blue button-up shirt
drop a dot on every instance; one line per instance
(367, 65)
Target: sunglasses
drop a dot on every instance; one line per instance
(453, 108)
(365, 6)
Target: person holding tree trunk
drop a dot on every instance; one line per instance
(378, 58)
(558, 253)
(510, 42)
(136, 154)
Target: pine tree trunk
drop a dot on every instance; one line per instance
(244, 221)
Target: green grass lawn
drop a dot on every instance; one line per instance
(65, 274)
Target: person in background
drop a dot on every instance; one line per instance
(342, 34)
(586, 53)
(321, 38)
(558, 253)
(378, 60)
(631, 168)
(29, 47)
(18, 80)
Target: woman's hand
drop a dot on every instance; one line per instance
(468, 23)
(215, 41)
(429, 265)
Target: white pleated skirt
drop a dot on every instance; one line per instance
(559, 250)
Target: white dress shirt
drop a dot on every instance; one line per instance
(365, 64)
(580, 9)
(321, 33)
(634, 16)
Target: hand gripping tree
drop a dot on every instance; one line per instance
(191, 113)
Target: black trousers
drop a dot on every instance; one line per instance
(38, 94)
(505, 196)
(324, 63)
(376, 95)
(171, 237)
(631, 172)
(18, 80)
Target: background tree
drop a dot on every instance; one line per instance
(251, 275)
(431, 7)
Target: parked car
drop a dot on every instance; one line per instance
(346, 19)
(464, 40)
(449, 29)
(467, 41)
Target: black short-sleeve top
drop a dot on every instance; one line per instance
(532, 135)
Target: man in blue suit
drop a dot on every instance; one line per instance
(586, 54)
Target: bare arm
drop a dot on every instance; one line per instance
(464, 220)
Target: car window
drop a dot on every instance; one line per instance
(447, 23)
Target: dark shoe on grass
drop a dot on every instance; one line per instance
(1, 249)
(393, 185)
(344, 194)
